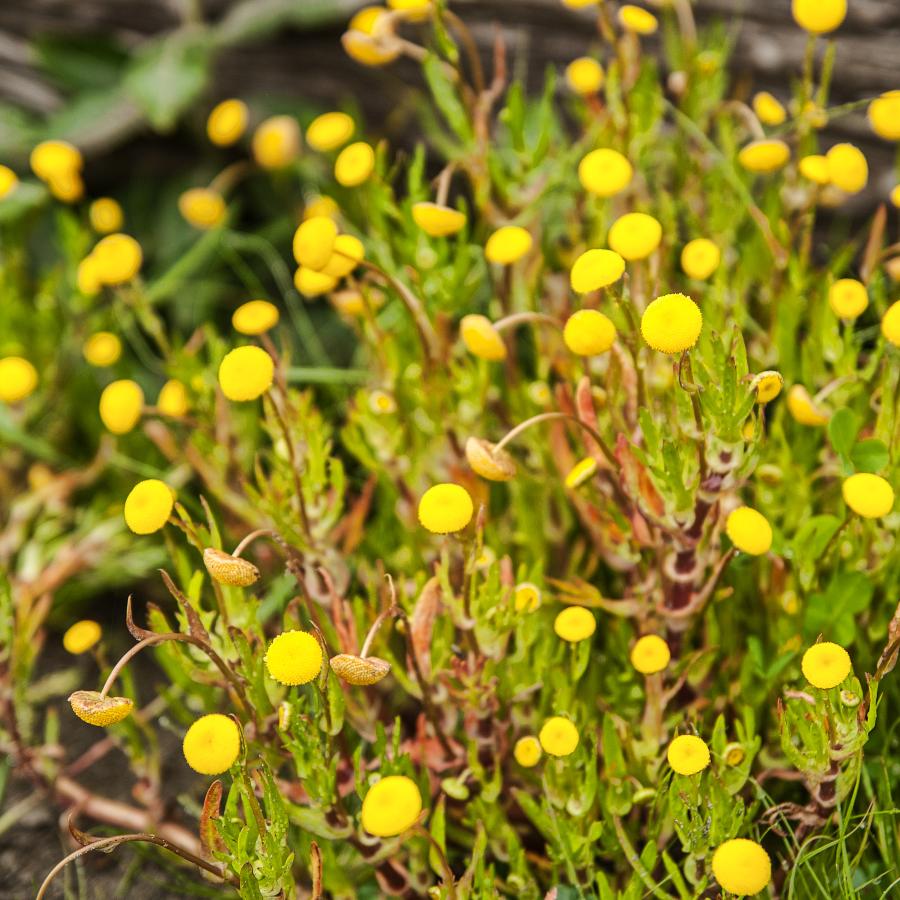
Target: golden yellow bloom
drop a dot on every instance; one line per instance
(635, 236)
(767, 385)
(203, 208)
(605, 172)
(116, 259)
(768, 110)
(801, 407)
(890, 324)
(575, 623)
(847, 168)
(764, 156)
(868, 495)
(354, 164)
(102, 349)
(330, 131)
(819, 16)
(672, 323)
(81, 636)
(120, 405)
(314, 242)
(366, 48)
(579, 4)
(488, 462)
(311, 283)
(558, 736)
(741, 866)
(481, 338)
(688, 754)
(584, 76)
(884, 115)
(581, 472)
(227, 122)
(18, 379)
(700, 258)
(55, 159)
(527, 751)
(588, 333)
(749, 530)
(212, 744)
(416, 10)
(67, 187)
(507, 244)
(9, 181)
(596, 269)
(148, 506)
(814, 168)
(294, 657)
(526, 597)
(347, 255)
(106, 215)
(391, 806)
(650, 654)
(445, 508)
(321, 205)
(173, 399)
(894, 195)
(87, 277)
(228, 569)
(246, 373)
(255, 317)
(825, 665)
(90, 707)
(637, 19)
(276, 142)
(436, 220)
(848, 298)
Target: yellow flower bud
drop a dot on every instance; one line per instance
(884, 115)
(741, 866)
(825, 665)
(203, 208)
(868, 495)
(330, 131)
(749, 530)
(672, 323)
(588, 333)
(391, 806)
(635, 236)
(768, 110)
(294, 657)
(848, 298)
(584, 76)
(9, 181)
(700, 258)
(212, 744)
(148, 506)
(527, 751)
(116, 259)
(800, 405)
(814, 168)
(650, 654)
(847, 168)
(102, 349)
(173, 399)
(314, 242)
(18, 379)
(255, 317)
(507, 245)
(445, 508)
(596, 269)
(246, 373)
(81, 636)
(311, 283)
(526, 597)
(764, 156)
(106, 215)
(481, 338)
(637, 19)
(436, 220)
(575, 623)
(688, 754)
(354, 164)
(819, 16)
(120, 405)
(348, 253)
(276, 142)
(558, 736)
(605, 172)
(227, 122)
(581, 472)
(53, 159)
(890, 324)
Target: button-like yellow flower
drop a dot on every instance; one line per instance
(106, 215)
(148, 506)
(605, 172)
(416, 10)
(650, 654)
(526, 597)
(814, 168)
(741, 866)
(81, 636)
(9, 181)
(894, 197)
(246, 373)
(436, 220)
(314, 242)
(700, 258)
(672, 323)
(819, 16)
(94, 709)
(87, 277)
(120, 405)
(481, 338)
(527, 751)
(688, 754)
(635, 236)
(488, 462)
(228, 569)
(507, 245)
(767, 385)
(890, 324)
(581, 472)
(575, 623)
(276, 142)
(847, 168)
(445, 508)
(596, 269)
(227, 122)
(637, 19)
(18, 379)
(102, 349)
(212, 744)
(255, 317)
(764, 156)
(848, 298)
(294, 657)
(768, 109)
(55, 159)
(203, 208)
(116, 259)
(558, 736)
(584, 76)
(884, 115)
(868, 495)
(173, 399)
(801, 407)
(826, 665)
(322, 205)
(365, 46)
(68, 187)
(354, 164)
(311, 283)
(330, 131)
(391, 806)
(749, 530)
(348, 253)
(589, 332)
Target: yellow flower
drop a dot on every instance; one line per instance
(276, 142)
(9, 181)
(18, 379)
(347, 255)
(672, 323)
(767, 385)
(825, 665)
(116, 259)
(700, 258)
(87, 277)
(354, 164)
(382, 404)
(391, 806)
(894, 195)
(329, 131)
(650, 654)
(584, 76)
(688, 754)
(801, 407)
(579, 4)
(436, 220)
(526, 597)
(637, 19)
(203, 208)
(558, 736)
(173, 399)
(67, 187)
(416, 10)
(294, 657)
(583, 470)
(81, 636)
(363, 44)
(102, 349)
(94, 709)
(445, 508)
(321, 205)
(212, 744)
(764, 156)
(255, 317)
(481, 338)
(749, 530)
(246, 373)
(148, 506)
(527, 751)
(227, 122)
(488, 462)
(768, 110)
(605, 172)
(819, 16)
(507, 244)
(814, 168)
(55, 159)
(868, 495)
(314, 242)
(890, 324)
(588, 332)
(847, 168)
(120, 405)
(575, 623)
(635, 236)
(106, 215)
(848, 298)
(596, 269)
(227, 569)
(311, 283)
(884, 115)
(741, 866)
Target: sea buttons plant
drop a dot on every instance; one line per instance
(102, 349)
(527, 751)
(81, 636)
(227, 122)
(890, 324)
(700, 258)
(276, 142)
(173, 399)
(825, 665)
(650, 654)
(18, 379)
(255, 317)
(819, 16)
(558, 736)
(117, 259)
(507, 245)
(227, 569)
(391, 806)
(9, 181)
(764, 156)
(202, 207)
(526, 597)
(884, 115)
(589, 333)
(635, 236)
(741, 867)
(868, 495)
(437, 220)
(354, 164)
(575, 623)
(672, 323)
(314, 242)
(688, 754)
(148, 506)
(330, 131)
(749, 530)
(445, 508)
(96, 709)
(814, 168)
(584, 76)
(212, 744)
(481, 338)
(121, 403)
(246, 373)
(294, 657)
(767, 385)
(637, 19)
(488, 462)
(596, 269)
(803, 409)
(768, 109)
(848, 298)
(847, 168)
(605, 172)
(106, 215)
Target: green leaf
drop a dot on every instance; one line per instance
(842, 430)
(870, 456)
(833, 612)
(447, 98)
(438, 830)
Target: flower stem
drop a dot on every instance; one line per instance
(548, 416)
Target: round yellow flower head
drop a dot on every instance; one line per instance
(819, 16)
(596, 269)
(814, 168)
(203, 208)
(672, 323)
(314, 242)
(650, 654)
(688, 754)
(81, 636)
(588, 333)
(558, 736)
(764, 156)
(848, 298)
(347, 255)
(445, 508)
(575, 623)
(67, 187)
(584, 76)
(700, 258)
(605, 172)
(481, 338)
(246, 373)
(801, 407)
(847, 168)
(173, 399)
(361, 42)
(826, 665)
(507, 245)
(212, 744)
(148, 506)
(391, 806)
(330, 131)
(294, 657)
(868, 495)
(9, 181)
(768, 110)
(354, 164)
(741, 866)
(416, 10)
(526, 597)
(227, 122)
(635, 236)
(276, 142)
(749, 530)
(18, 379)
(579, 4)
(55, 159)
(87, 277)
(94, 709)
(106, 215)
(894, 196)
(116, 259)
(255, 317)
(884, 115)
(321, 205)
(436, 220)
(582, 471)
(767, 385)
(890, 324)
(102, 349)
(637, 19)
(488, 462)
(527, 751)
(120, 405)
(311, 283)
